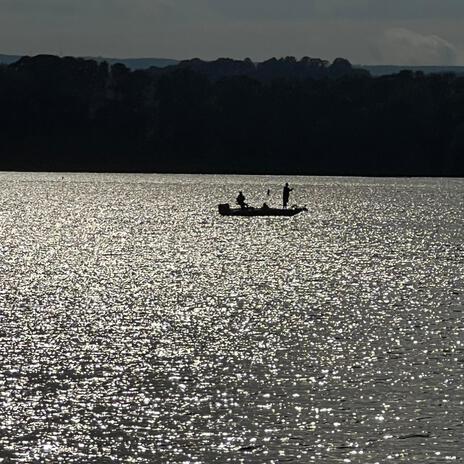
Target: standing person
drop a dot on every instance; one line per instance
(286, 194)
(241, 200)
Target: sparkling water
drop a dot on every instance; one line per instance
(137, 325)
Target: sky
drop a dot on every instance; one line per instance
(406, 32)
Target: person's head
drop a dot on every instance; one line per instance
(286, 184)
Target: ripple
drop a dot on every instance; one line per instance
(139, 326)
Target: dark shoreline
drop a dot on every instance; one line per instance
(284, 116)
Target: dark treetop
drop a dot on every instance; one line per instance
(228, 116)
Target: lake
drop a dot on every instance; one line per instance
(139, 326)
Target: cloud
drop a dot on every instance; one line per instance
(366, 10)
(403, 46)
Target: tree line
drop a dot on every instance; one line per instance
(283, 116)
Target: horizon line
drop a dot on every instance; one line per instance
(126, 58)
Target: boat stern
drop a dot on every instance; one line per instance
(224, 209)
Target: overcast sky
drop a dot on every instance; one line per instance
(364, 31)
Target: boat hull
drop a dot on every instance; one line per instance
(259, 212)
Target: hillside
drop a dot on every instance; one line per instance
(67, 114)
(131, 63)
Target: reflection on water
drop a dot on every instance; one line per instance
(139, 326)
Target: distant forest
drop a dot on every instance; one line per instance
(282, 116)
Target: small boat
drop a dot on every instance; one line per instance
(226, 210)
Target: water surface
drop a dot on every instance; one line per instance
(139, 326)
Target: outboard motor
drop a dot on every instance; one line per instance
(224, 209)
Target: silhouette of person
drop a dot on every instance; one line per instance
(286, 194)
(268, 192)
(241, 200)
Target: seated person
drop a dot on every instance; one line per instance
(241, 200)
